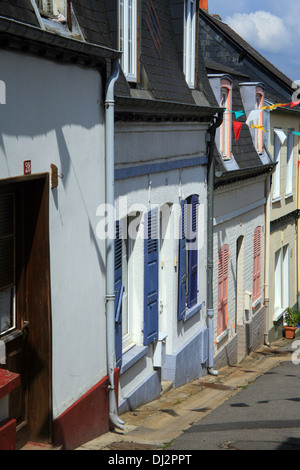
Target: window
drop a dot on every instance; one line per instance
(126, 236)
(225, 129)
(188, 256)
(223, 263)
(277, 158)
(289, 164)
(281, 281)
(259, 132)
(7, 262)
(189, 46)
(58, 16)
(128, 37)
(256, 263)
(53, 8)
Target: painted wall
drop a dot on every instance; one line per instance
(239, 209)
(54, 114)
(145, 145)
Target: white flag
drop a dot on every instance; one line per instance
(281, 135)
(253, 117)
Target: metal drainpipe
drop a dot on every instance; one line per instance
(267, 259)
(110, 246)
(210, 258)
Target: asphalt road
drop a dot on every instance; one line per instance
(265, 415)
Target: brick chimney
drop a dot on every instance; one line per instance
(203, 5)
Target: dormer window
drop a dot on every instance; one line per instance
(189, 42)
(259, 132)
(225, 130)
(58, 17)
(128, 38)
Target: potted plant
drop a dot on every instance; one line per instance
(291, 322)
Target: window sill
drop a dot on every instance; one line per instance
(276, 199)
(278, 313)
(222, 336)
(287, 196)
(132, 356)
(190, 312)
(256, 302)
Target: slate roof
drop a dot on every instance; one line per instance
(222, 44)
(161, 61)
(19, 10)
(91, 17)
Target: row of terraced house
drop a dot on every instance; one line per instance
(149, 208)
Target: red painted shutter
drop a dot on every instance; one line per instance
(256, 262)
(223, 288)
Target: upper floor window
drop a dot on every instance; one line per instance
(289, 164)
(225, 130)
(189, 42)
(58, 17)
(128, 37)
(258, 131)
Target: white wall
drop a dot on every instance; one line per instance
(239, 209)
(54, 114)
(146, 144)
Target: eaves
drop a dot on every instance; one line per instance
(141, 109)
(31, 39)
(229, 177)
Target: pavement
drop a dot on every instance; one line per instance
(172, 421)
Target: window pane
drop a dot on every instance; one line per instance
(276, 177)
(290, 162)
(278, 286)
(7, 311)
(285, 277)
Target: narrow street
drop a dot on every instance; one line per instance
(253, 405)
(265, 415)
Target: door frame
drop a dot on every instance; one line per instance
(35, 259)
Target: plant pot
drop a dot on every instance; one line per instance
(290, 331)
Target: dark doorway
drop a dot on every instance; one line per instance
(25, 316)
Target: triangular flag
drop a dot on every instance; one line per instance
(253, 116)
(258, 126)
(238, 114)
(281, 135)
(294, 103)
(237, 129)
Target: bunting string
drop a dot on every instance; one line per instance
(254, 116)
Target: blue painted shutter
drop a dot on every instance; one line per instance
(118, 295)
(193, 253)
(151, 277)
(182, 263)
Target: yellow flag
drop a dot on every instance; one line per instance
(258, 127)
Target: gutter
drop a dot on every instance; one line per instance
(26, 33)
(110, 244)
(210, 258)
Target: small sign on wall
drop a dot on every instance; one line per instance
(27, 167)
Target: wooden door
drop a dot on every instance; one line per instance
(25, 303)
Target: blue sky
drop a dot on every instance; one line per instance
(272, 27)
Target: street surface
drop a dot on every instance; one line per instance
(265, 415)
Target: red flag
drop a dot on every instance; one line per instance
(237, 129)
(294, 103)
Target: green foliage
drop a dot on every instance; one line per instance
(292, 317)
